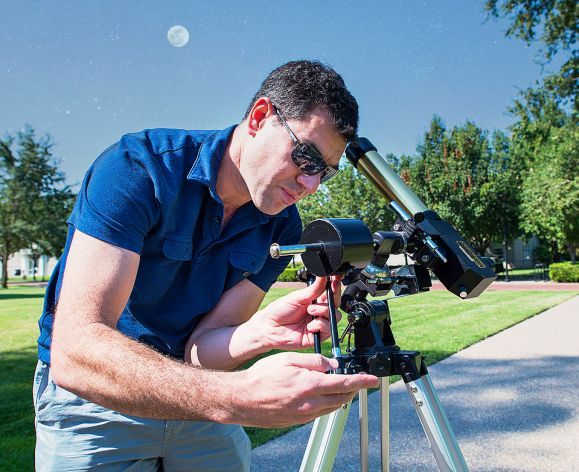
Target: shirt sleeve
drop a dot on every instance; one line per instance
(289, 234)
(119, 201)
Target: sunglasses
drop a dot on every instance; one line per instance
(306, 156)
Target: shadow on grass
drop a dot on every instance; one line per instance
(6, 295)
(17, 412)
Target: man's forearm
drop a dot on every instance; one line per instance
(102, 365)
(226, 348)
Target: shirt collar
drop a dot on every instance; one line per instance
(206, 166)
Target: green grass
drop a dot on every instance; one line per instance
(436, 323)
(20, 308)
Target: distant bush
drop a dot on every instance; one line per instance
(564, 272)
(288, 275)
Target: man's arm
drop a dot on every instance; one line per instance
(221, 340)
(92, 359)
(229, 335)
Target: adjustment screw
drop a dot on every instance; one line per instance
(413, 389)
(419, 403)
(425, 259)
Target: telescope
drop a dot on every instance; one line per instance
(344, 246)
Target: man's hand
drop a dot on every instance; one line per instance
(229, 336)
(292, 388)
(286, 323)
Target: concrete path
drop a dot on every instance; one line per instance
(512, 399)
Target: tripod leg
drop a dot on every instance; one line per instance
(385, 422)
(436, 426)
(324, 441)
(363, 416)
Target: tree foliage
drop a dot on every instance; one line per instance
(547, 139)
(553, 23)
(468, 178)
(545, 135)
(34, 198)
(556, 20)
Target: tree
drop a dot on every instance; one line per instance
(545, 135)
(349, 195)
(468, 179)
(547, 139)
(554, 23)
(34, 199)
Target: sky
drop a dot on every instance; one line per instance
(89, 71)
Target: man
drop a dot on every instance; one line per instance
(150, 307)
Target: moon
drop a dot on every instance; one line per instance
(178, 36)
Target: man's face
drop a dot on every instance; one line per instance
(273, 180)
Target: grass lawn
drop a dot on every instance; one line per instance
(435, 323)
(19, 311)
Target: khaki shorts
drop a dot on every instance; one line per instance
(75, 434)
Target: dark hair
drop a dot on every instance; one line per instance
(297, 87)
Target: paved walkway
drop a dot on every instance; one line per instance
(512, 399)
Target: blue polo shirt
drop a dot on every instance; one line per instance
(154, 193)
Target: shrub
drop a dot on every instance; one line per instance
(288, 275)
(564, 272)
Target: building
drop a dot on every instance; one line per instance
(21, 264)
(520, 252)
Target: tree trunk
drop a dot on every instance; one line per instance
(5, 269)
(555, 254)
(480, 246)
(571, 248)
(35, 265)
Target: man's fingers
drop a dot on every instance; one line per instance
(320, 325)
(318, 310)
(315, 362)
(322, 310)
(337, 383)
(329, 384)
(326, 404)
(304, 391)
(309, 293)
(338, 399)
